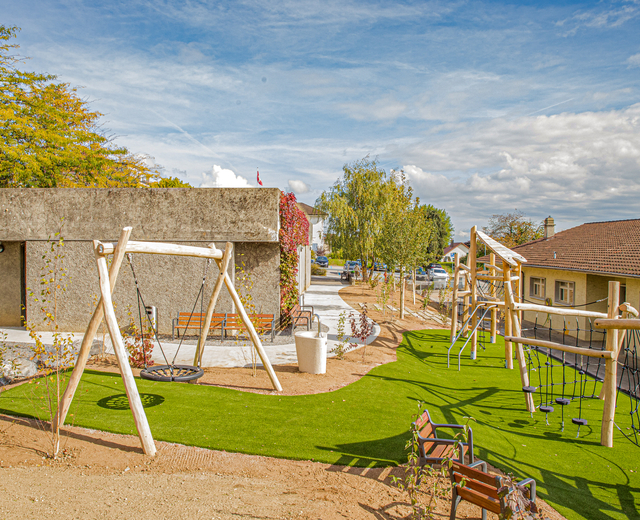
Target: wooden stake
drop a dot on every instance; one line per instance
(474, 292)
(517, 331)
(493, 293)
(508, 331)
(90, 334)
(224, 265)
(611, 370)
(454, 297)
(252, 331)
(139, 417)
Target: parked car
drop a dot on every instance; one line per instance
(379, 266)
(350, 268)
(437, 273)
(433, 266)
(421, 274)
(322, 261)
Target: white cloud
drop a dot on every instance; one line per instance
(576, 167)
(634, 61)
(298, 187)
(220, 177)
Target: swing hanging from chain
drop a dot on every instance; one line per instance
(169, 371)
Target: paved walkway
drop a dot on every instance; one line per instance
(323, 296)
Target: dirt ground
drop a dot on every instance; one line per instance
(102, 475)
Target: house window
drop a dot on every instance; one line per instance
(537, 288)
(564, 292)
(623, 293)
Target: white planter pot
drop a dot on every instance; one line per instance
(312, 352)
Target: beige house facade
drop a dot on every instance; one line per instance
(572, 268)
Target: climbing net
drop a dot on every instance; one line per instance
(563, 378)
(629, 383)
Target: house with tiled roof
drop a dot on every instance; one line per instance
(573, 267)
(459, 249)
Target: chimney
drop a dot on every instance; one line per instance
(549, 227)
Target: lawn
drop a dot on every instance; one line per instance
(366, 423)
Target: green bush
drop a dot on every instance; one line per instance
(317, 270)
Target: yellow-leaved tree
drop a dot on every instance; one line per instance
(49, 138)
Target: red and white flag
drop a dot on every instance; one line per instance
(258, 176)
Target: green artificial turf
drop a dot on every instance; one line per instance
(366, 423)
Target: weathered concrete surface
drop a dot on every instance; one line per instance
(11, 284)
(162, 214)
(169, 283)
(248, 217)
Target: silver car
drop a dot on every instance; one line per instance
(437, 273)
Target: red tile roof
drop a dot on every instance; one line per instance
(453, 246)
(598, 247)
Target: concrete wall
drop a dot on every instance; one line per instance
(11, 284)
(163, 214)
(247, 217)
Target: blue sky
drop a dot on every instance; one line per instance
(487, 106)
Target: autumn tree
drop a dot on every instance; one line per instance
(513, 229)
(50, 138)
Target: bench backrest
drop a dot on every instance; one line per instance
(197, 319)
(479, 488)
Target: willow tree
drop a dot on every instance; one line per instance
(50, 138)
(354, 208)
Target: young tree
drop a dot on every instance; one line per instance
(354, 206)
(49, 137)
(406, 231)
(442, 233)
(513, 229)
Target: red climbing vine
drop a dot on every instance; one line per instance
(294, 232)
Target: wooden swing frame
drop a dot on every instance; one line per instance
(105, 310)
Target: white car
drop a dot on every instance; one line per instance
(437, 273)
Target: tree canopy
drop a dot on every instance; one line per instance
(374, 215)
(513, 229)
(50, 138)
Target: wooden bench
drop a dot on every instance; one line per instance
(263, 323)
(298, 314)
(433, 449)
(186, 320)
(480, 488)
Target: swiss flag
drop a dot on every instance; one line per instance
(258, 176)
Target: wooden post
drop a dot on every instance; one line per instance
(517, 331)
(139, 417)
(493, 293)
(90, 334)
(611, 370)
(250, 328)
(454, 298)
(474, 289)
(224, 265)
(519, 290)
(508, 348)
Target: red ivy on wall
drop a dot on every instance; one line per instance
(294, 232)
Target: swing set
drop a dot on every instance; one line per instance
(105, 310)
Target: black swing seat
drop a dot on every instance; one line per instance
(546, 409)
(563, 401)
(529, 389)
(179, 373)
(579, 422)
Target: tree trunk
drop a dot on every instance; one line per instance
(414, 286)
(402, 281)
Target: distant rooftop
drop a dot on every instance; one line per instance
(598, 247)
